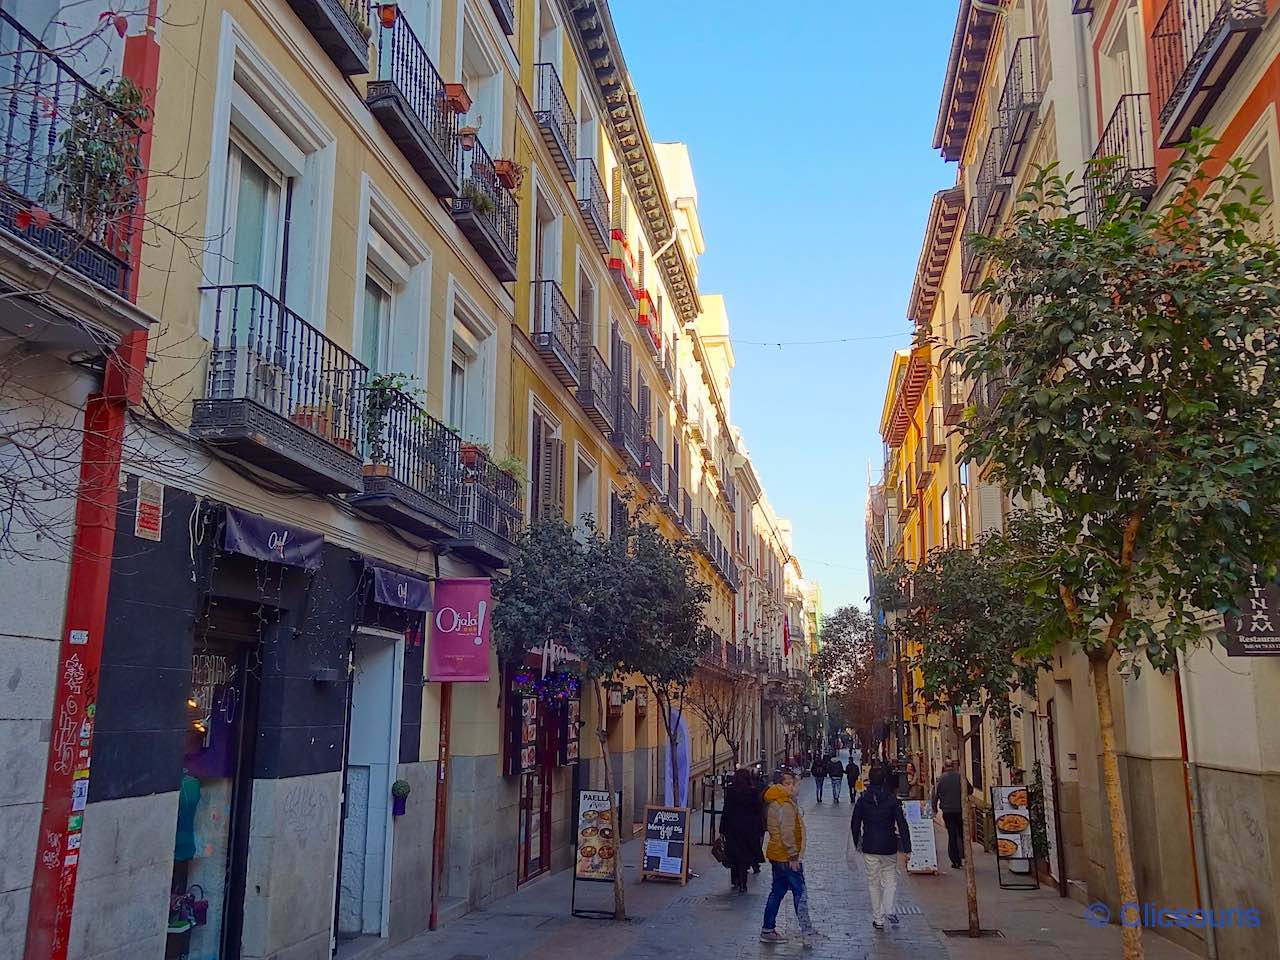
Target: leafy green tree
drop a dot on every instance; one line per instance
(968, 624)
(1133, 374)
(854, 678)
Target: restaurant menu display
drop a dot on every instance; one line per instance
(1013, 822)
(597, 837)
(528, 734)
(569, 738)
(666, 843)
(924, 851)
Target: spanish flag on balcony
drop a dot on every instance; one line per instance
(648, 318)
(622, 264)
(786, 636)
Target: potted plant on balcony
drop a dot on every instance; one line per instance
(510, 173)
(480, 201)
(387, 14)
(473, 453)
(95, 167)
(515, 467)
(382, 393)
(467, 134)
(356, 11)
(456, 97)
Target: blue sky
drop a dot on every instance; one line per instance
(810, 128)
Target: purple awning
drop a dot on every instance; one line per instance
(265, 539)
(396, 588)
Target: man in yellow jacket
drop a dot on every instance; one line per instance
(786, 856)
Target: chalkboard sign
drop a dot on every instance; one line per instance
(666, 844)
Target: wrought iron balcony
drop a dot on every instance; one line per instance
(935, 432)
(1124, 160)
(672, 491)
(412, 472)
(555, 331)
(593, 201)
(924, 467)
(555, 118)
(342, 27)
(489, 513)
(686, 511)
(952, 398)
(1019, 102)
(651, 469)
(1196, 46)
(71, 163)
(595, 391)
(627, 436)
(486, 212)
(407, 97)
(993, 186)
(505, 11)
(279, 393)
(972, 262)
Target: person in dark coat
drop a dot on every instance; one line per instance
(851, 773)
(819, 771)
(835, 770)
(880, 832)
(948, 801)
(740, 827)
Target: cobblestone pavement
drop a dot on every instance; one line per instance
(701, 920)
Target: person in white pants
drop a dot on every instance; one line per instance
(880, 833)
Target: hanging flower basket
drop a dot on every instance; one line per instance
(555, 687)
(399, 797)
(467, 137)
(387, 14)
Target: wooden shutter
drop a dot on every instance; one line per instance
(617, 515)
(557, 496)
(619, 206)
(537, 457)
(990, 507)
(642, 406)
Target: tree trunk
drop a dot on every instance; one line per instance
(966, 817)
(602, 734)
(1130, 936)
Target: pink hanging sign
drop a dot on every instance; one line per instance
(459, 650)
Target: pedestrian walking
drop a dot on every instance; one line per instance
(879, 830)
(819, 771)
(835, 770)
(948, 801)
(786, 858)
(851, 773)
(740, 827)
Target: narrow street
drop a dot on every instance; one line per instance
(706, 921)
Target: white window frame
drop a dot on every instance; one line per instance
(492, 132)
(228, 227)
(295, 139)
(581, 455)
(536, 406)
(387, 241)
(557, 58)
(467, 324)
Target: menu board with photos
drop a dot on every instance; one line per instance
(666, 843)
(597, 857)
(528, 734)
(1013, 822)
(571, 716)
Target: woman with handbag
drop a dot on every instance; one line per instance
(740, 828)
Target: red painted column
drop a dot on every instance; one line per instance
(66, 788)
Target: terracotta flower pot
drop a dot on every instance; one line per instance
(377, 469)
(387, 14)
(467, 137)
(509, 173)
(470, 455)
(456, 97)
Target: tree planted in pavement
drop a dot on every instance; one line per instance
(1134, 367)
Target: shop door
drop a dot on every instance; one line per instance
(211, 839)
(373, 748)
(536, 790)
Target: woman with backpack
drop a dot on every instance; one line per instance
(740, 827)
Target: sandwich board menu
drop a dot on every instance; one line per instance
(597, 847)
(666, 844)
(924, 850)
(1011, 812)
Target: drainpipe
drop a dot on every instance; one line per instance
(53, 885)
(1195, 820)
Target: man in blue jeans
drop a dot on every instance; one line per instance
(785, 853)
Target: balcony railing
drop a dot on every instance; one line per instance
(407, 96)
(673, 490)
(595, 392)
(924, 467)
(627, 435)
(280, 393)
(489, 513)
(1196, 46)
(412, 470)
(593, 201)
(972, 261)
(651, 473)
(935, 435)
(71, 163)
(342, 28)
(555, 118)
(486, 211)
(1124, 161)
(952, 398)
(555, 331)
(1019, 101)
(686, 511)
(993, 186)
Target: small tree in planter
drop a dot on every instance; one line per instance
(970, 625)
(1138, 354)
(383, 393)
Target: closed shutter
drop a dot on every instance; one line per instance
(642, 406)
(619, 205)
(990, 508)
(617, 515)
(551, 479)
(537, 456)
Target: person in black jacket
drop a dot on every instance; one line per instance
(851, 773)
(880, 832)
(819, 771)
(835, 770)
(740, 827)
